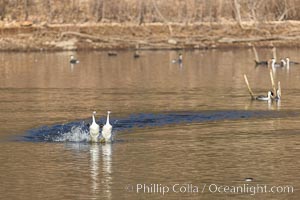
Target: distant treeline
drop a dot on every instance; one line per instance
(147, 11)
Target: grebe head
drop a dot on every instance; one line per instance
(269, 94)
(273, 61)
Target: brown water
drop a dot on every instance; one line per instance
(174, 125)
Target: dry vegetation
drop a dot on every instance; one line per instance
(149, 11)
(106, 24)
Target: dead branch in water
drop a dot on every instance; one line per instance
(274, 53)
(249, 89)
(279, 89)
(273, 84)
(255, 53)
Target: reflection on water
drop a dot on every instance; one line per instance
(271, 105)
(94, 151)
(193, 123)
(107, 182)
(105, 168)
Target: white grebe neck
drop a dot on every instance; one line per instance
(269, 95)
(94, 113)
(273, 62)
(107, 119)
(287, 62)
(283, 62)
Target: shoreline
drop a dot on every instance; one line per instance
(27, 36)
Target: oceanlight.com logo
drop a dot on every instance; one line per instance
(249, 189)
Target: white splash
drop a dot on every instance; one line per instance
(77, 134)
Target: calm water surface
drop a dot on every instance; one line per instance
(191, 127)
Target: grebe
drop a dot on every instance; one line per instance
(73, 60)
(265, 98)
(288, 61)
(282, 63)
(136, 54)
(179, 60)
(94, 129)
(274, 64)
(107, 128)
(261, 63)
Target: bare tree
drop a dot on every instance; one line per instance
(162, 17)
(103, 10)
(3, 4)
(26, 2)
(237, 12)
(284, 12)
(141, 11)
(219, 10)
(49, 11)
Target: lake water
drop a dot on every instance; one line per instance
(180, 131)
